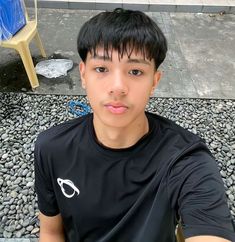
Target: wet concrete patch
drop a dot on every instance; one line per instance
(13, 77)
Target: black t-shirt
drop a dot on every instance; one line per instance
(135, 194)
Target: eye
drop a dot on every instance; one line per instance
(135, 72)
(101, 69)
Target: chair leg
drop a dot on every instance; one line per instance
(25, 54)
(39, 44)
(179, 234)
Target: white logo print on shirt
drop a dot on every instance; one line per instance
(69, 183)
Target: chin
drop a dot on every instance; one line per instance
(114, 121)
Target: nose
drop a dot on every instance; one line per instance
(118, 85)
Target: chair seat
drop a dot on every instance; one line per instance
(20, 42)
(21, 36)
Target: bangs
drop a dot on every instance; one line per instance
(123, 49)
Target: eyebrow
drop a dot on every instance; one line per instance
(130, 60)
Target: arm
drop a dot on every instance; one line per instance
(51, 225)
(51, 229)
(198, 194)
(180, 237)
(206, 239)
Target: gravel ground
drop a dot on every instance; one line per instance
(23, 116)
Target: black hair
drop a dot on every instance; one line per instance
(124, 31)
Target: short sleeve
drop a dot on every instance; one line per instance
(43, 186)
(196, 191)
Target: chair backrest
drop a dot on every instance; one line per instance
(35, 11)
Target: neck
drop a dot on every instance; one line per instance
(118, 138)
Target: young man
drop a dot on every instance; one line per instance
(122, 174)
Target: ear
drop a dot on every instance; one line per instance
(82, 68)
(156, 79)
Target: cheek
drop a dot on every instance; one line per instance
(93, 93)
(143, 91)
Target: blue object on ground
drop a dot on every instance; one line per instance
(78, 108)
(12, 18)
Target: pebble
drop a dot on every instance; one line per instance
(4, 136)
(29, 228)
(18, 180)
(212, 120)
(19, 233)
(35, 230)
(4, 156)
(7, 234)
(223, 173)
(15, 151)
(231, 197)
(25, 223)
(4, 219)
(30, 184)
(24, 199)
(14, 194)
(25, 192)
(225, 148)
(10, 228)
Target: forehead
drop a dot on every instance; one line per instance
(110, 54)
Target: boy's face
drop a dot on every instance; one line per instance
(119, 88)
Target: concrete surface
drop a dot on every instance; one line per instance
(200, 62)
(189, 6)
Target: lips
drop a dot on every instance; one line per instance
(116, 108)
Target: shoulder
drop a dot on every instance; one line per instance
(173, 134)
(189, 148)
(177, 148)
(61, 132)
